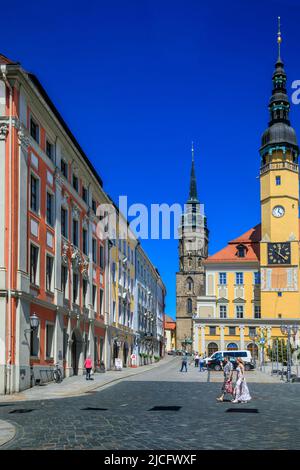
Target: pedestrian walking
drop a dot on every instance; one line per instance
(201, 364)
(184, 362)
(197, 360)
(227, 386)
(88, 367)
(241, 391)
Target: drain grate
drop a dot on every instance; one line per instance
(242, 410)
(90, 408)
(165, 408)
(22, 410)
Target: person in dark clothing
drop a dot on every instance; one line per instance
(184, 362)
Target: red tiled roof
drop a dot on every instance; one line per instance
(170, 324)
(249, 239)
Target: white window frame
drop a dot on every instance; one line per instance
(52, 224)
(37, 177)
(47, 253)
(38, 277)
(49, 323)
(237, 307)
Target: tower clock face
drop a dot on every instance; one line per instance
(279, 253)
(278, 211)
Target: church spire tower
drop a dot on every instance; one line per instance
(193, 183)
(193, 250)
(279, 195)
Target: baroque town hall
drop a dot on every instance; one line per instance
(240, 297)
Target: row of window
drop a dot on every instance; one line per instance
(239, 278)
(35, 134)
(34, 279)
(231, 330)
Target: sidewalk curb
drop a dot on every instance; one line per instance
(81, 391)
(7, 432)
(117, 379)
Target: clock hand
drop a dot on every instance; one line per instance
(280, 255)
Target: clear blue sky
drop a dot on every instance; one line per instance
(137, 81)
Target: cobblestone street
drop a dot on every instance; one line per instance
(120, 416)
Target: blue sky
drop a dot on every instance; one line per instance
(137, 81)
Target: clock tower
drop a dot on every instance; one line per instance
(279, 195)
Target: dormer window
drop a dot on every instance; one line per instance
(241, 251)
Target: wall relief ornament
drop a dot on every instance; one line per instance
(76, 259)
(64, 254)
(23, 139)
(75, 212)
(3, 131)
(85, 269)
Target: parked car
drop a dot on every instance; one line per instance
(216, 364)
(244, 354)
(172, 352)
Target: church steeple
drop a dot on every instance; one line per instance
(279, 135)
(193, 183)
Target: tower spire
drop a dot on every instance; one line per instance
(279, 39)
(279, 135)
(193, 183)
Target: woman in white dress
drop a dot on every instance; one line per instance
(241, 391)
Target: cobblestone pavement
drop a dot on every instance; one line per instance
(120, 417)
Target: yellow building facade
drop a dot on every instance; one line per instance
(252, 285)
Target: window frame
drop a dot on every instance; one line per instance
(49, 324)
(37, 273)
(34, 176)
(49, 256)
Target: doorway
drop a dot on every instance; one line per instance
(76, 351)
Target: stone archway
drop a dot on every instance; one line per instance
(212, 348)
(253, 348)
(76, 350)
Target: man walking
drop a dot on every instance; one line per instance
(227, 383)
(184, 362)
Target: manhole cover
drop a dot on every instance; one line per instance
(21, 410)
(90, 408)
(242, 410)
(165, 408)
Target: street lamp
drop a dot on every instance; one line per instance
(289, 330)
(34, 322)
(253, 337)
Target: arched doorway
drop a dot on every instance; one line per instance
(212, 348)
(76, 350)
(232, 347)
(252, 347)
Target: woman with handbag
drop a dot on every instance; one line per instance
(227, 383)
(241, 391)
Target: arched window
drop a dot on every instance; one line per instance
(190, 262)
(189, 306)
(199, 262)
(212, 348)
(232, 347)
(189, 284)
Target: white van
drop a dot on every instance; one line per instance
(244, 354)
